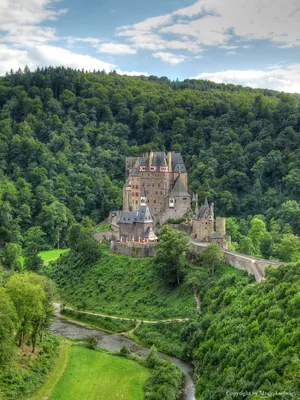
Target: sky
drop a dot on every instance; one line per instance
(246, 42)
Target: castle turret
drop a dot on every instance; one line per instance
(221, 225)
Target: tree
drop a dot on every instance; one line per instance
(28, 298)
(83, 244)
(197, 279)
(55, 219)
(34, 243)
(257, 232)
(12, 254)
(8, 324)
(212, 255)
(288, 249)
(170, 255)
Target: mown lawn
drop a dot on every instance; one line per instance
(91, 375)
(51, 255)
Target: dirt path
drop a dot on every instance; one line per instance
(138, 320)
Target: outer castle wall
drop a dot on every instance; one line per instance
(133, 249)
(252, 265)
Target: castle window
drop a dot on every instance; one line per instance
(184, 198)
(156, 193)
(159, 185)
(154, 201)
(160, 192)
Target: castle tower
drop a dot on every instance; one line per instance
(221, 225)
(203, 224)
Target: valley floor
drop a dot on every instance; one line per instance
(81, 373)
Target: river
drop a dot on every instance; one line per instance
(115, 342)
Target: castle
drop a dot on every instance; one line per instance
(159, 180)
(206, 229)
(156, 190)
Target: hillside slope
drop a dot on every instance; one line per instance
(64, 135)
(121, 286)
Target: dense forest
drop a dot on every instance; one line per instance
(64, 135)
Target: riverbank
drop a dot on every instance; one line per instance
(115, 342)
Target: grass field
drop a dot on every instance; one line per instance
(54, 376)
(91, 375)
(51, 255)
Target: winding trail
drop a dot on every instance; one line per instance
(138, 320)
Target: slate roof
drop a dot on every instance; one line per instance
(143, 192)
(216, 235)
(128, 217)
(179, 190)
(202, 211)
(159, 159)
(205, 207)
(178, 163)
(142, 216)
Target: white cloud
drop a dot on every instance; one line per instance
(24, 41)
(282, 79)
(116, 48)
(217, 22)
(20, 21)
(56, 56)
(169, 58)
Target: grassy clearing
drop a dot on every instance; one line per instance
(102, 228)
(51, 255)
(54, 376)
(91, 375)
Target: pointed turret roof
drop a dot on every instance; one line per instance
(206, 202)
(204, 208)
(143, 192)
(178, 163)
(143, 214)
(179, 189)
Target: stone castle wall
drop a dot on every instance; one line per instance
(254, 266)
(133, 249)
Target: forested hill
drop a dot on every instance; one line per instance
(64, 135)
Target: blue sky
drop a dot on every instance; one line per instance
(254, 43)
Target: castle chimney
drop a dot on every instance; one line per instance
(150, 159)
(170, 161)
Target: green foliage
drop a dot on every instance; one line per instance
(8, 323)
(12, 254)
(212, 255)
(118, 285)
(170, 254)
(102, 227)
(252, 342)
(28, 373)
(64, 135)
(83, 245)
(110, 324)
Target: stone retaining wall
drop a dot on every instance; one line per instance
(133, 249)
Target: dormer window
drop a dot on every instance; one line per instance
(142, 168)
(171, 203)
(163, 169)
(152, 169)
